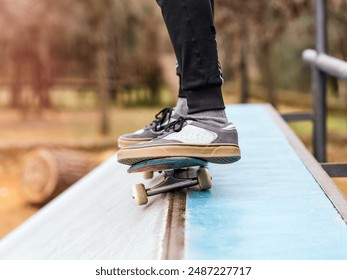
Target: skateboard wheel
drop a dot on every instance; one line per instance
(148, 175)
(140, 194)
(204, 179)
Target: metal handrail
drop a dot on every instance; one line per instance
(323, 64)
(329, 64)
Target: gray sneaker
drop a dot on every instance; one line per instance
(151, 131)
(187, 137)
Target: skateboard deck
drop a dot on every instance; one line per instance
(176, 173)
(169, 163)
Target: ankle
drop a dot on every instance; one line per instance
(181, 106)
(212, 117)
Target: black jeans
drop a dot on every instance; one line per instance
(191, 28)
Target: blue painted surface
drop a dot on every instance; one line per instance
(266, 206)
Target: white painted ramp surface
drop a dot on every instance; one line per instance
(95, 219)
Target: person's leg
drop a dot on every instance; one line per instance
(192, 32)
(197, 68)
(205, 132)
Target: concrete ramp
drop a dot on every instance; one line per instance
(276, 203)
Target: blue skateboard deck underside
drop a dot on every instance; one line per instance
(168, 163)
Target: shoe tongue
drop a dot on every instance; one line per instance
(166, 119)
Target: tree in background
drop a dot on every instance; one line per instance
(112, 45)
(98, 15)
(262, 22)
(29, 27)
(114, 28)
(48, 42)
(233, 18)
(338, 41)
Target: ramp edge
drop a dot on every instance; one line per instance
(320, 175)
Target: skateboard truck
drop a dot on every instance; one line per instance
(177, 173)
(173, 180)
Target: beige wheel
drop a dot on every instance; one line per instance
(148, 175)
(140, 194)
(204, 179)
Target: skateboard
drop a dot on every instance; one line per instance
(176, 173)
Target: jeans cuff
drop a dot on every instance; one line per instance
(205, 99)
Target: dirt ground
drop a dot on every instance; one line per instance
(19, 135)
(13, 207)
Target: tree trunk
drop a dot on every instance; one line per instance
(16, 85)
(342, 89)
(267, 72)
(47, 173)
(343, 92)
(102, 74)
(244, 77)
(111, 62)
(41, 70)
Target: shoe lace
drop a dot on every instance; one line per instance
(160, 119)
(178, 124)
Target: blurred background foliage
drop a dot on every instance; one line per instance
(102, 55)
(114, 49)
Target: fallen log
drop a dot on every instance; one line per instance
(48, 172)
